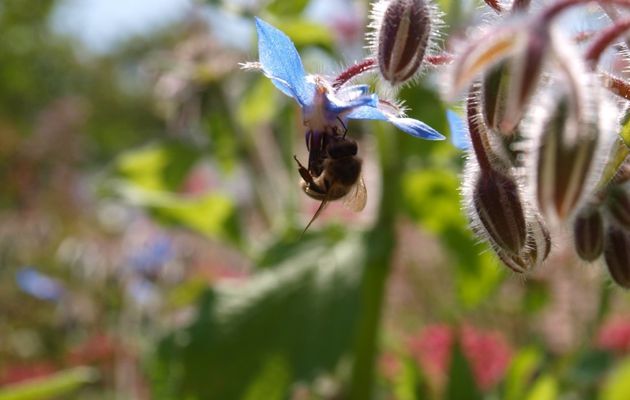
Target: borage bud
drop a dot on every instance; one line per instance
(511, 57)
(497, 201)
(618, 203)
(617, 255)
(588, 233)
(536, 251)
(568, 141)
(401, 38)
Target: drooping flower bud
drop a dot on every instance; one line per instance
(497, 201)
(403, 31)
(588, 233)
(568, 141)
(495, 92)
(617, 255)
(540, 238)
(534, 253)
(511, 57)
(618, 203)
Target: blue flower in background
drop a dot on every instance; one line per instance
(460, 137)
(325, 106)
(150, 258)
(38, 285)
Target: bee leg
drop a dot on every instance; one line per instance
(308, 178)
(345, 129)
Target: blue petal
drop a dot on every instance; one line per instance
(416, 128)
(281, 62)
(367, 113)
(459, 131)
(410, 126)
(38, 285)
(342, 107)
(354, 91)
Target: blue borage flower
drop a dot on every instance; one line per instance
(325, 107)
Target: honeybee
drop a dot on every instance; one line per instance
(334, 175)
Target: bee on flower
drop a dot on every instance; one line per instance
(333, 170)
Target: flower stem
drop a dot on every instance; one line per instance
(353, 71)
(380, 242)
(605, 39)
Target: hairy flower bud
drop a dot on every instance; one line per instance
(534, 253)
(496, 199)
(568, 142)
(495, 93)
(588, 233)
(618, 203)
(617, 255)
(402, 39)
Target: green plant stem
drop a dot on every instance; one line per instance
(380, 242)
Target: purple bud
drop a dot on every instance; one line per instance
(540, 239)
(518, 263)
(618, 203)
(617, 255)
(495, 93)
(402, 39)
(534, 253)
(568, 143)
(496, 199)
(588, 233)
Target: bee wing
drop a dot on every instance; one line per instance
(356, 199)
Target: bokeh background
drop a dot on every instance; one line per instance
(151, 219)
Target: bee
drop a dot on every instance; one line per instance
(334, 175)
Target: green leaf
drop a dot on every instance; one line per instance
(289, 323)
(625, 130)
(53, 386)
(590, 367)
(213, 214)
(409, 384)
(536, 296)
(158, 166)
(431, 198)
(545, 388)
(617, 385)
(305, 33)
(257, 105)
(461, 383)
(287, 8)
(272, 380)
(521, 372)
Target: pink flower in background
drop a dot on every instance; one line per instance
(16, 373)
(431, 348)
(489, 355)
(487, 352)
(389, 365)
(614, 335)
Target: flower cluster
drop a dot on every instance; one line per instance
(547, 128)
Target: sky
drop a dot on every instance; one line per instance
(101, 24)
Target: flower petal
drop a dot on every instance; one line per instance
(416, 128)
(459, 131)
(336, 106)
(410, 126)
(281, 62)
(352, 92)
(482, 54)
